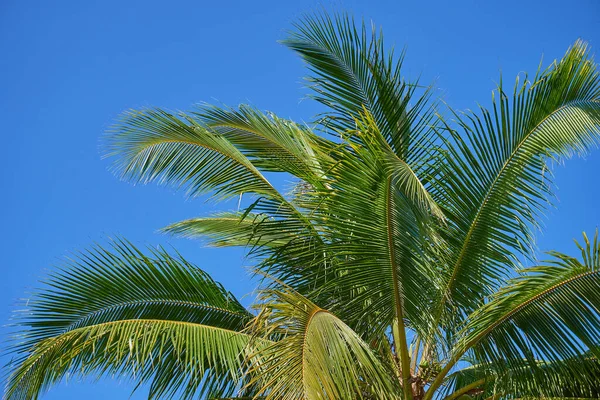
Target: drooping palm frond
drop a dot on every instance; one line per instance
(317, 355)
(546, 321)
(154, 144)
(154, 318)
(176, 358)
(495, 183)
(271, 143)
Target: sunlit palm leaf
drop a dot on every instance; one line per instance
(174, 357)
(318, 356)
(272, 143)
(156, 145)
(153, 145)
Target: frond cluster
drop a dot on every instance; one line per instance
(390, 272)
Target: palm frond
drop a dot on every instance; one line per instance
(548, 317)
(175, 357)
(271, 143)
(317, 355)
(353, 71)
(495, 181)
(155, 145)
(234, 229)
(153, 318)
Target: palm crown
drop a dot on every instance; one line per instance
(391, 270)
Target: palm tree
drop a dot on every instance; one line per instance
(393, 269)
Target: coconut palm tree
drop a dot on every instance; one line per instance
(402, 264)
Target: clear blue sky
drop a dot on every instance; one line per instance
(68, 68)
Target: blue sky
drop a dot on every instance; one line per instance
(67, 69)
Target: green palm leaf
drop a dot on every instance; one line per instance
(272, 143)
(352, 71)
(494, 183)
(153, 318)
(156, 145)
(549, 313)
(177, 358)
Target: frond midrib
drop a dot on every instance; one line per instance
(527, 302)
(152, 301)
(401, 345)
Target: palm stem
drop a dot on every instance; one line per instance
(465, 389)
